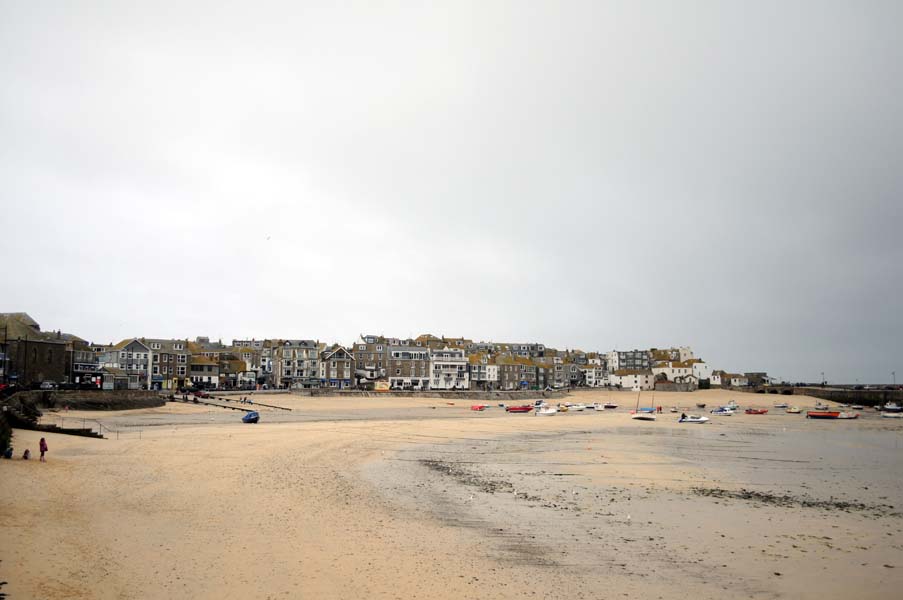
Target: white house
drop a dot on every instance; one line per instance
(739, 380)
(677, 372)
(448, 369)
(701, 370)
(484, 372)
(715, 379)
(632, 379)
(594, 375)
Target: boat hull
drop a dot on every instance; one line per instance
(822, 414)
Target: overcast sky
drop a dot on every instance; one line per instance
(727, 175)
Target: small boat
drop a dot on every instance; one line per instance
(578, 407)
(756, 411)
(598, 407)
(822, 414)
(892, 415)
(562, 408)
(848, 415)
(645, 413)
(479, 407)
(820, 406)
(733, 405)
(857, 407)
(722, 411)
(251, 417)
(524, 408)
(610, 405)
(700, 405)
(547, 411)
(643, 416)
(782, 405)
(794, 410)
(693, 419)
(893, 407)
(674, 409)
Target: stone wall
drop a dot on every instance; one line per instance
(92, 399)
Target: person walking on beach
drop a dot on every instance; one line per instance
(43, 447)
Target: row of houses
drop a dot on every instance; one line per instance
(427, 362)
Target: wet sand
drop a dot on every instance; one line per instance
(416, 498)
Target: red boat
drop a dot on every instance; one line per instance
(478, 407)
(519, 409)
(822, 414)
(757, 411)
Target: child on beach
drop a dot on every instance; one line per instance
(26, 455)
(43, 447)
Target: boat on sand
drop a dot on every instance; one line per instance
(693, 419)
(722, 411)
(793, 410)
(643, 414)
(756, 411)
(524, 408)
(822, 414)
(547, 411)
(848, 415)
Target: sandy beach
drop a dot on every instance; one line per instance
(419, 498)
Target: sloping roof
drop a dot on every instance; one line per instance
(623, 372)
(198, 359)
(20, 325)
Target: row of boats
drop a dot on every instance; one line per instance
(541, 408)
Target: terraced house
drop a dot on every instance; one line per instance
(134, 358)
(169, 362)
(296, 363)
(448, 369)
(204, 371)
(484, 372)
(408, 367)
(337, 368)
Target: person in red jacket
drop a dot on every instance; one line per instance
(43, 446)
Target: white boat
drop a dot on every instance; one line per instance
(857, 407)
(893, 407)
(848, 415)
(547, 411)
(693, 419)
(598, 407)
(578, 407)
(643, 416)
(820, 406)
(892, 415)
(794, 410)
(674, 409)
(722, 411)
(732, 405)
(782, 405)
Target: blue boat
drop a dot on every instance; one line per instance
(251, 417)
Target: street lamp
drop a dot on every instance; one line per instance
(894, 375)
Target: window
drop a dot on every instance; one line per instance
(156, 370)
(155, 346)
(181, 370)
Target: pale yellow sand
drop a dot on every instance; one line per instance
(306, 506)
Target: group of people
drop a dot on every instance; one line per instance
(42, 446)
(246, 400)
